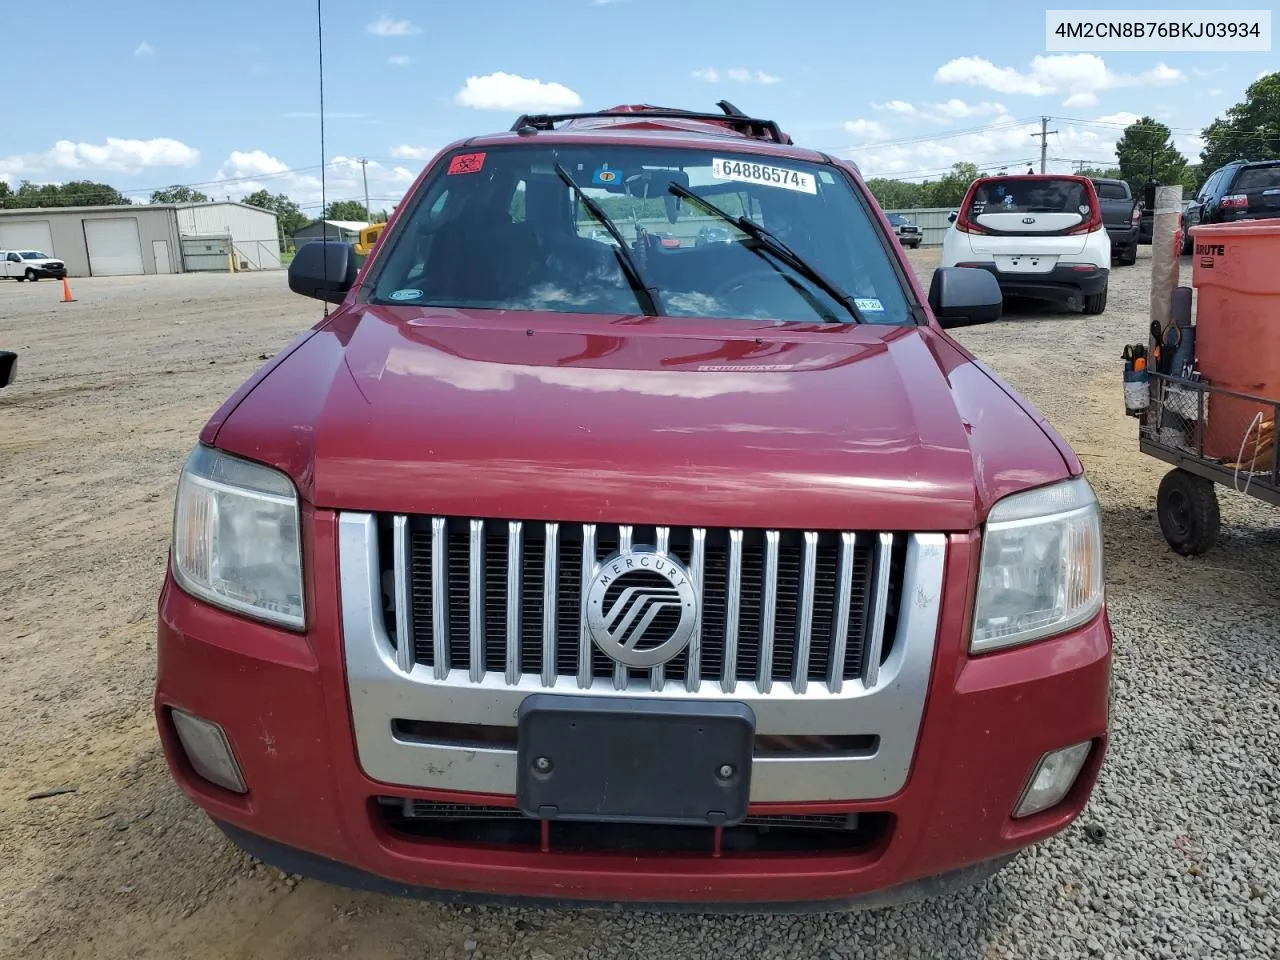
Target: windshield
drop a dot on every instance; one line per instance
(34, 255)
(1111, 191)
(501, 230)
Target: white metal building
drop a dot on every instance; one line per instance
(147, 238)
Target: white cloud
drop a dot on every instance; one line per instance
(1263, 73)
(405, 152)
(1075, 75)
(507, 91)
(400, 60)
(386, 27)
(944, 112)
(1085, 99)
(247, 171)
(1202, 72)
(1214, 92)
(867, 129)
(143, 49)
(1004, 142)
(736, 74)
(117, 154)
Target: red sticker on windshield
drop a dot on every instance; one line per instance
(466, 163)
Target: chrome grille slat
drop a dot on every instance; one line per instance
(804, 615)
(697, 561)
(812, 610)
(584, 636)
(515, 570)
(662, 541)
(768, 611)
(440, 597)
(840, 625)
(401, 563)
(550, 583)
(476, 596)
(733, 599)
(620, 675)
(879, 602)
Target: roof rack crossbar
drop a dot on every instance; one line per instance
(753, 125)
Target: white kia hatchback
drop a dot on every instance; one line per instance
(1042, 237)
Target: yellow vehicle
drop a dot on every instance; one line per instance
(368, 237)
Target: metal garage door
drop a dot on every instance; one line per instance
(27, 235)
(114, 250)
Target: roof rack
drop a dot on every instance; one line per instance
(752, 126)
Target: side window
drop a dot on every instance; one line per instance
(1210, 186)
(14, 258)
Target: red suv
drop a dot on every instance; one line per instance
(590, 568)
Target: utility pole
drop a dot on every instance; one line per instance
(364, 172)
(1044, 140)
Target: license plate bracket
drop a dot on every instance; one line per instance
(601, 759)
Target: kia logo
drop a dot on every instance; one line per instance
(1028, 219)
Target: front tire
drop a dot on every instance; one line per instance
(1095, 303)
(31, 275)
(1187, 508)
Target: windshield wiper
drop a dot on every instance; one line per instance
(776, 247)
(644, 293)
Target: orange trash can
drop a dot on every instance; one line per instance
(1235, 268)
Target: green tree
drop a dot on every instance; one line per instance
(897, 194)
(346, 210)
(6, 193)
(178, 194)
(1250, 130)
(289, 217)
(1146, 152)
(1101, 173)
(950, 190)
(77, 193)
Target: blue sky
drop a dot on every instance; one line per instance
(147, 93)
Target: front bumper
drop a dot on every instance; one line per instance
(1065, 282)
(283, 701)
(49, 273)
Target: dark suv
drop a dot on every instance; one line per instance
(1241, 190)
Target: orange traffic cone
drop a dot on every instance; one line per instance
(66, 292)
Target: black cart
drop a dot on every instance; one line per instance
(1174, 427)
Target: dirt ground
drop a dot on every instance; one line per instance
(111, 393)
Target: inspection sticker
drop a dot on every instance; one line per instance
(868, 305)
(406, 294)
(763, 173)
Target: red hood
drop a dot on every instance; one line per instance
(639, 420)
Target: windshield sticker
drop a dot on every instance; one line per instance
(764, 174)
(868, 304)
(604, 175)
(466, 163)
(406, 294)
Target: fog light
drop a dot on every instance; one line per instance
(1053, 777)
(208, 750)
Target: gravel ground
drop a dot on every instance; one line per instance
(111, 393)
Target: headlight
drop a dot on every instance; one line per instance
(235, 537)
(1041, 566)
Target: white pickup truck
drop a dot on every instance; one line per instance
(30, 265)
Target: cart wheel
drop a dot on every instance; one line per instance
(1187, 507)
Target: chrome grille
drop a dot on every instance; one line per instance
(480, 597)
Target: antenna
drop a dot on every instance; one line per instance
(324, 227)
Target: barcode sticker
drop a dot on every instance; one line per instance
(763, 173)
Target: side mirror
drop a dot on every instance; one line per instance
(8, 367)
(325, 270)
(960, 296)
(951, 217)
